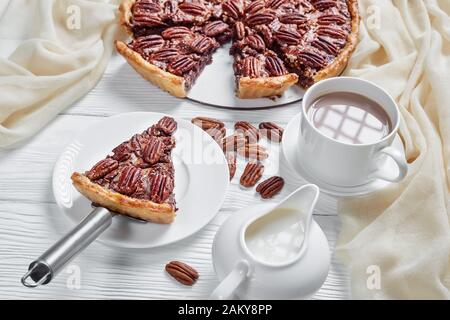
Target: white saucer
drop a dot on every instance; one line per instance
(292, 155)
(197, 158)
(216, 86)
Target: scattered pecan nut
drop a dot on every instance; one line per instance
(217, 134)
(253, 151)
(270, 187)
(271, 130)
(206, 123)
(231, 160)
(233, 142)
(250, 133)
(252, 173)
(182, 272)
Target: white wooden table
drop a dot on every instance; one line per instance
(30, 220)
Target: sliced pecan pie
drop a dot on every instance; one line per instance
(137, 178)
(276, 43)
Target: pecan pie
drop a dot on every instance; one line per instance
(137, 178)
(276, 43)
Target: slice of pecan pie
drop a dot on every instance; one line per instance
(137, 178)
(276, 43)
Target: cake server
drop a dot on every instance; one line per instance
(42, 270)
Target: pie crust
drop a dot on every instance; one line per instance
(167, 81)
(250, 88)
(116, 202)
(247, 88)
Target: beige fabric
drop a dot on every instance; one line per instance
(403, 231)
(52, 52)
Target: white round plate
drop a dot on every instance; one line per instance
(216, 86)
(292, 155)
(201, 179)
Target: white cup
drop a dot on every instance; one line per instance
(344, 164)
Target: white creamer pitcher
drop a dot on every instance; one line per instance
(272, 251)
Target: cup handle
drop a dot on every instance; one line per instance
(228, 285)
(399, 160)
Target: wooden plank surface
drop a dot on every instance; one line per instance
(30, 220)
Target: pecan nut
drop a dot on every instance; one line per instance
(165, 55)
(251, 67)
(253, 151)
(233, 142)
(271, 130)
(252, 173)
(275, 66)
(144, 19)
(325, 45)
(153, 150)
(255, 6)
(195, 9)
(181, 65)
(148, 44)
(330, 19)
(207, 123)
(176, 33)
(167, 124)
(311, 59)
(256, 42)
(231, 160)
(215, 28)
(202, 44)
(160, 187)
(128, 180)
(275, 4)
(323, 4)
(239, 30)
(250, 133)
(293, 18)
(122, 152)
(182, 272)
(270, 187)
(233, 8)
(332, 32)
(102, 168)
(260, 18)
(287, 36)
(217, 134)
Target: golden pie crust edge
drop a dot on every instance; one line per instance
(340, 62)
(116, 202)
(250, 88)
(167, 81)
(125, 15)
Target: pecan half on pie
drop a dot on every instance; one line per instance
(276, 43)
(137, 178)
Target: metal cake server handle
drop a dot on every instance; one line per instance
(46, 267)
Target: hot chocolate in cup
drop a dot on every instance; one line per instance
(346, 131)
